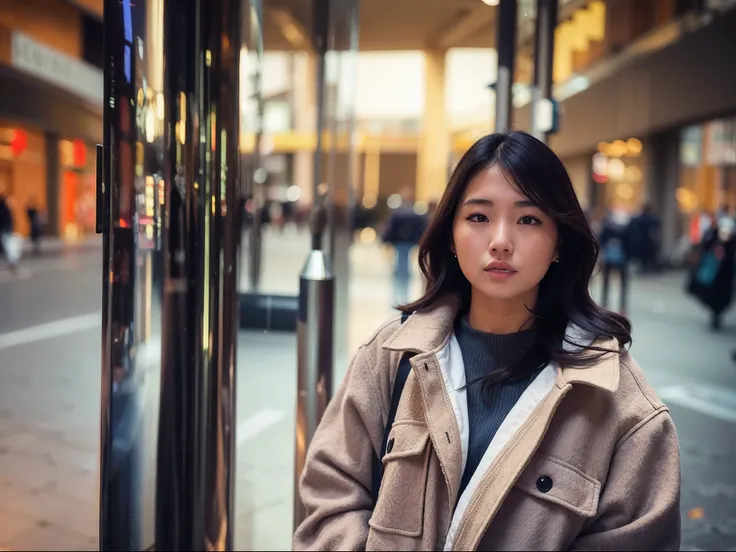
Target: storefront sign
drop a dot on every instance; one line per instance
(721, 142)
(57, 68)
(691, 145)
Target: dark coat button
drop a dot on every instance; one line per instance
(544, 483)
(390, 446)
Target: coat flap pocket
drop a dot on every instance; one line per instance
(399, 509)
(406, 439)
(556, 481)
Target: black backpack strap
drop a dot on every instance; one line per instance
(402, 374)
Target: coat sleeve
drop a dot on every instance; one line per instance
(639, 507)
(335, 486)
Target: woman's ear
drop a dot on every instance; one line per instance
(558, 249)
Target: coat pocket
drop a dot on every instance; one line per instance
(399, 509)
(556, 481)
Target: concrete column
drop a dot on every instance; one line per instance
(543, 63)
(305, 120)
(53, 184)
(662, 178)
(434, 144)
(506, 48)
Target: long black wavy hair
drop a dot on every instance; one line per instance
(564, 296)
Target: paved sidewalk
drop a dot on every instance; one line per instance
(50, 397)
(58, 246)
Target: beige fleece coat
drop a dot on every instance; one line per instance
(587, 459)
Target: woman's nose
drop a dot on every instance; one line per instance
(501, 242)
(504, 247)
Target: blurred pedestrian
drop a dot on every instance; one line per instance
(615, 253)
(644, 232)
(403, 231)
(711, 280)
(10, 244)
(35, 221)
(502, 410)
(700, 223)
(723, 212)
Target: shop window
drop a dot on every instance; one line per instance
(619, 174)
(708, 163)
(77, 197)
(22, 171)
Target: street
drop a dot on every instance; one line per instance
(50, 399)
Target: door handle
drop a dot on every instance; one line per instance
(100, 192)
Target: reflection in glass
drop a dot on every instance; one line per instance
(194, 484)
(340, 153)
(131, 279)
(253, 192)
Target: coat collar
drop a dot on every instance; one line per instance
(604, 374)
(428, 330)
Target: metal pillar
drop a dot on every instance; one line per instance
(315, 324)
(195, 480)
(342, 168)
(130, 356)
(321, 22)
(543, 108)
(506, 51)
(256, 185)
(315, 350)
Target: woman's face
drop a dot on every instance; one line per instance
(503, 242)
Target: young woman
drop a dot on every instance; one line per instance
(524, 424)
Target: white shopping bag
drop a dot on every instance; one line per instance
(13, 247)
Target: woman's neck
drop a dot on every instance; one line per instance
(501, 316)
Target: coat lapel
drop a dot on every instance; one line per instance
(508, 465)
(429, 334)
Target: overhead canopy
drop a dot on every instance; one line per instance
(391, 24)
(384, 24)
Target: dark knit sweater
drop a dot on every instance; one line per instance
(482, 354)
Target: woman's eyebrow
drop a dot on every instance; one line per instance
(486, 201)
(478, 201)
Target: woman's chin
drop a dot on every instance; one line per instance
(501, 291)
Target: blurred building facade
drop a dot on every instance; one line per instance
(648, 101)
(50, 111)
(647, 96)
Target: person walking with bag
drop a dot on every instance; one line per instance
(711, 280)
(10, 244)
(522, 422)
(615, 240)
(403, 230)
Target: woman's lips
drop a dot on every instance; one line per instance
(500, 273)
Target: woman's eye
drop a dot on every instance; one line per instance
(529, 220)
(477, 217)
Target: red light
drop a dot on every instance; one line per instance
(600, 178)
(19, 142)
(80, 153)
